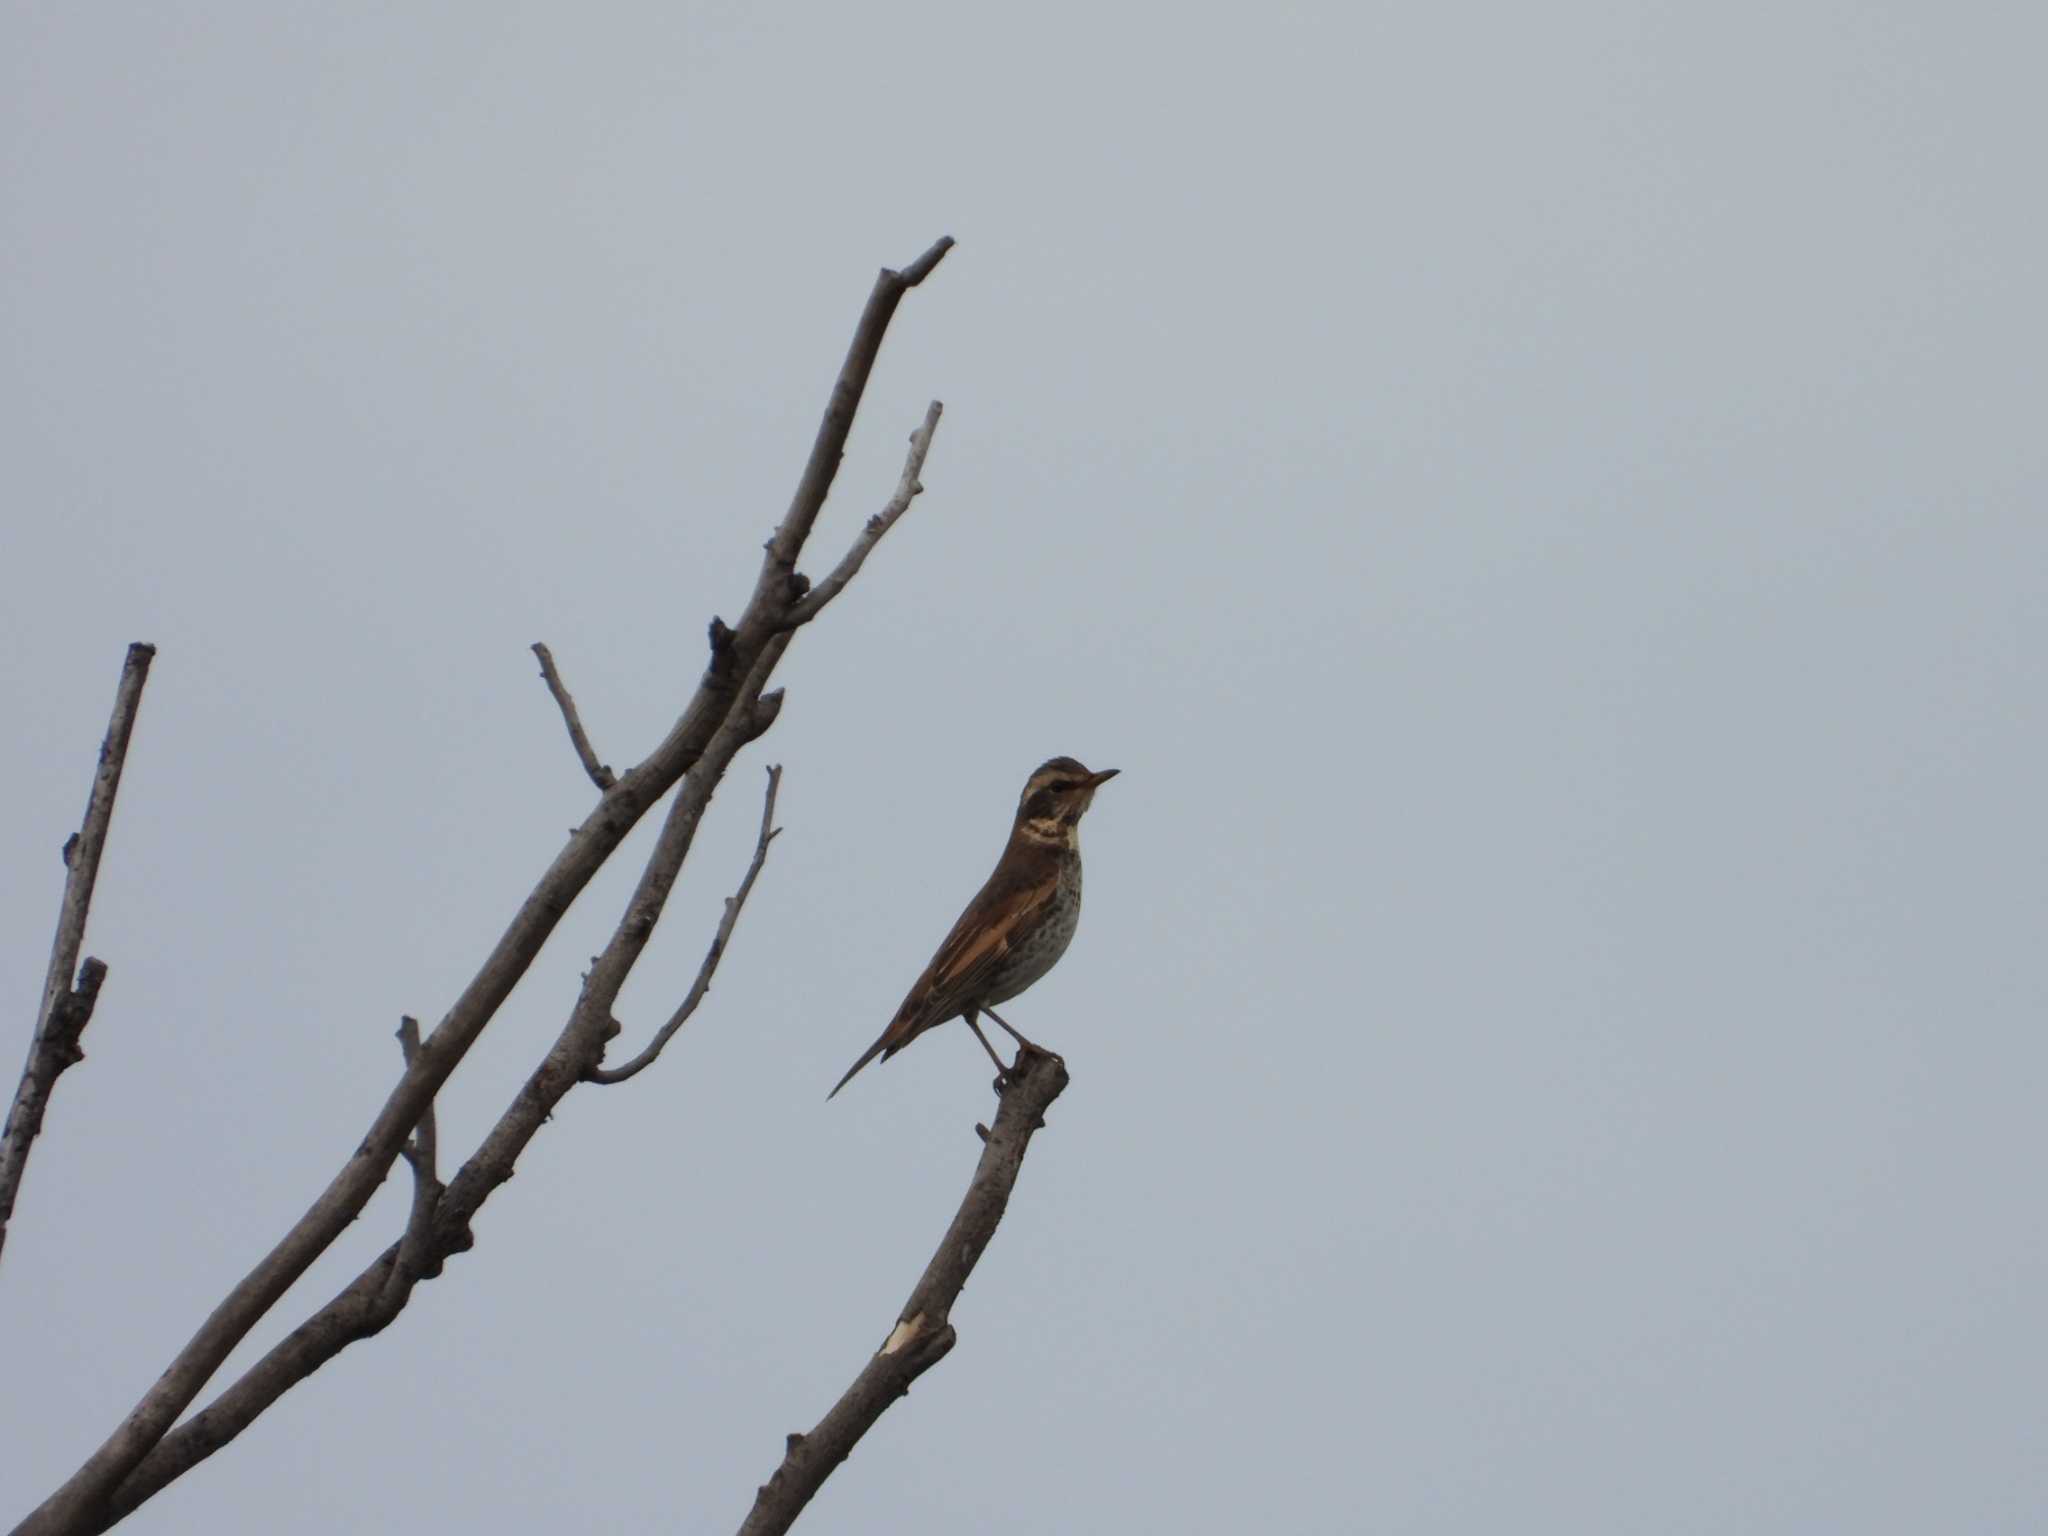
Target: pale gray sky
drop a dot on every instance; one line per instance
(1544, 504)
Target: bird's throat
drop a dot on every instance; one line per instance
(1050, 832)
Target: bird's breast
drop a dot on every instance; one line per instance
(1034, 953)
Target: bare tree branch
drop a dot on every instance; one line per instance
(923, 1334)
(729, 708)
(368, 1303)
(830, 444)
(67, 1009)
(779, 583)
(907, 488)
(363, 1309)
(72, 1506)
(600, 775)
(719, 940)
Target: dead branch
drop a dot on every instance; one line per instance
(729, 708)
(600, 774)
(849, 565)
(719, 940)
(368, 1303)
(923, 1334)
(67, 1009)
(830, 445)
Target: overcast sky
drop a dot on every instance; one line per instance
(1543, 504)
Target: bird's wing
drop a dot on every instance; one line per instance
(1010, 904)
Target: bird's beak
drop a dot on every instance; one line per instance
(1101, 778)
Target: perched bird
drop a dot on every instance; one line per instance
(1016, 928)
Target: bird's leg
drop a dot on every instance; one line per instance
(1026, 1044)
(1002, 1072)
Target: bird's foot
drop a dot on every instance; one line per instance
(1027, 1052)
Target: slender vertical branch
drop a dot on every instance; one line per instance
(67, 1009)
(600, 775)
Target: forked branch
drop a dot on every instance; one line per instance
(830, 444)
(368, 1303)
(67, 1008)
(923, 1333)
(731, 706)
(410, 1263)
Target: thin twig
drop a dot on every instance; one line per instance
(67, 1009)
(719, 940)
(907, 488)
(411, 1260)
(923, 1334)
(600, 774)
(921, 268)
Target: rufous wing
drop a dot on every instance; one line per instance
(1011, 904)
(1013, 901)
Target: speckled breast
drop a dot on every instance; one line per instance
(1041, 949)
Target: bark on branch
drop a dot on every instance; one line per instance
(67, 1009)
(923, 1334)
(730, 707)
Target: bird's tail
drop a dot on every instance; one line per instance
(881, 1044)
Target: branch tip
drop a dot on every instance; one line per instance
(921, 268)
(71, 989)
(600, 773)
(908, 488)
(828, 448)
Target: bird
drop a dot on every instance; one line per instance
(1017, 926)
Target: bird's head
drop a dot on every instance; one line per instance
(1055, 798)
